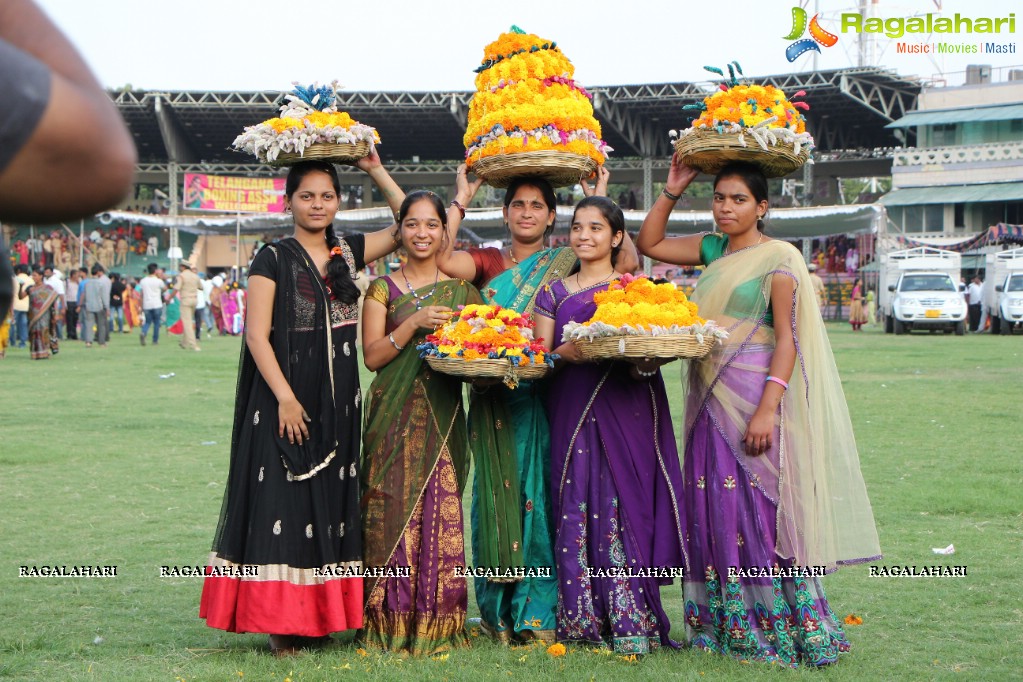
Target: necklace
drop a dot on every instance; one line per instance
(412, 290)
(729, 253)
(579, 285)
(511, 256)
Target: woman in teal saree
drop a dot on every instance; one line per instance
(511, 525)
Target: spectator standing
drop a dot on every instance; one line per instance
(55, 279)
(152, 287)
(973, 300)
(20, 305)
(117, 287)
(983, 323)
(818, 287)
(202, 308)
(71, 297)
(95, 300)
(188, 287)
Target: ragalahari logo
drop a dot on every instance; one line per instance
(817, 35)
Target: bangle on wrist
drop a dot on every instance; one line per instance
(458, 205)
(673, 197)
(395, 343)
(781, 382)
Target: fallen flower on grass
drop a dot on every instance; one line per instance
(853, 619)
(556, 649)
(362, 652)
(441, 657)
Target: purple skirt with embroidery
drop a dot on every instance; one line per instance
(741, 599)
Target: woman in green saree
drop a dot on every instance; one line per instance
(415, 450)
(511, 524)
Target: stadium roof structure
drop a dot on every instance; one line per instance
(421, 132)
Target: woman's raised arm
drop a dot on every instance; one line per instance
(652, 241)
(458, 264)
(381, 242)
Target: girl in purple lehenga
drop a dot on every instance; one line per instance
(773, 489)
(615, 473)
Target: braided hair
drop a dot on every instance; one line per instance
(339, 275)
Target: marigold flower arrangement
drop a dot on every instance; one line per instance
(480, 332)
(636, 306)
(308, 116)
(760, 112)
(527, 100)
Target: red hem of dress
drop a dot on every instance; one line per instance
(280, 607)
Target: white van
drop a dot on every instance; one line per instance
(920, 290)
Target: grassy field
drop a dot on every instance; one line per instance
(104, 462)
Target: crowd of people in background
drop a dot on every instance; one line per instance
(88, 304)
(62, 250)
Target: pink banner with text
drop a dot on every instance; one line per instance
(229, 194)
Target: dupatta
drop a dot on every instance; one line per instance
(813, 474)
(413, 415)
(302, 343)
(490, 424)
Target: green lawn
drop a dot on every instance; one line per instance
(103, 462)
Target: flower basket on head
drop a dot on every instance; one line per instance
(529, 116)
(487, 341)
(309, 128)
(757, 124)
(636, 318)
(561, 169)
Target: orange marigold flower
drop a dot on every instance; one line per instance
(853, 619)
(556, 649)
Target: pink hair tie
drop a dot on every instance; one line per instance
(781, 382)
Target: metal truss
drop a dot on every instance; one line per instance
(886, 101)
(637, 132)
(657, 92)
(205, 100)
(427, 167)
(889, 99)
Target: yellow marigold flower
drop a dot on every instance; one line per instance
(556, 649)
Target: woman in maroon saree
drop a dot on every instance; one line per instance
(415, 451)
(42, 322)
(615, 473)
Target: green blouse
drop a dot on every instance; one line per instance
(747, 296)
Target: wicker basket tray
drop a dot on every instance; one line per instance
(485, 368)
(324, 151)
(709, 151)
(631, 346)
(561, 169)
